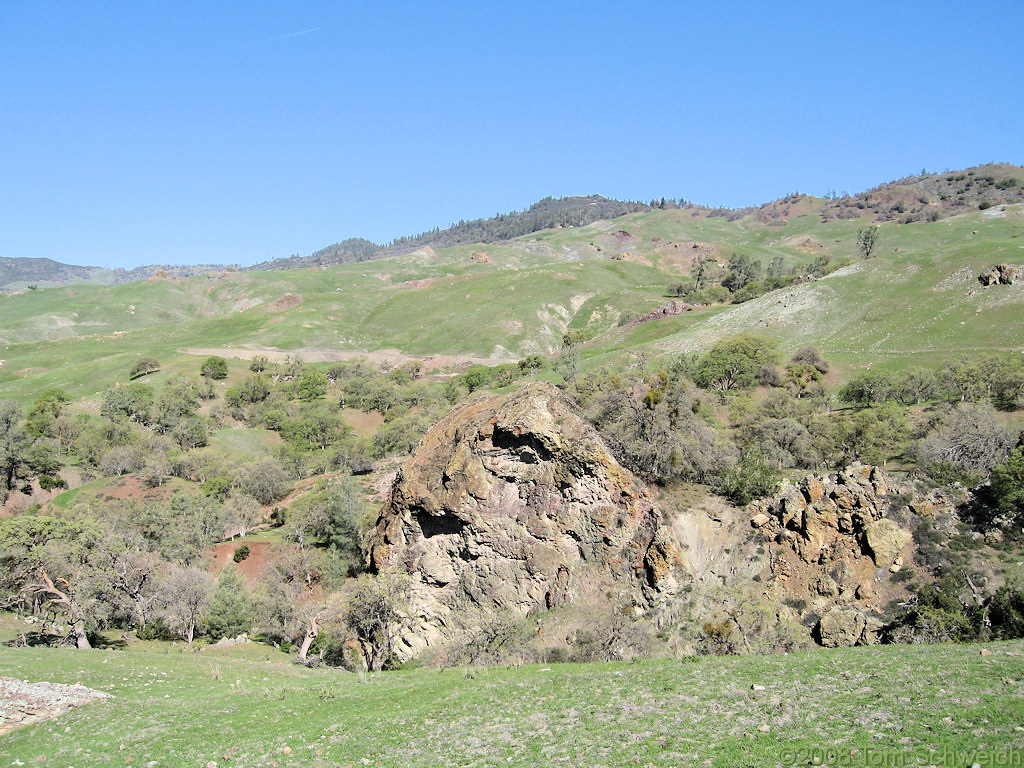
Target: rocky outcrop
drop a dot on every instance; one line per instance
(671, 309)
(826, 517)
(1000, 274)
(834, 541)
(513, 504)
(842, 627)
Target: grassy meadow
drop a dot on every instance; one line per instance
(250, 706)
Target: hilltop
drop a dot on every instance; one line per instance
(923, 197)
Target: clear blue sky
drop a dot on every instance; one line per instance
(184, 132)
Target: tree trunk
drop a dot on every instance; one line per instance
(310, 636)
(306, 642)
(81, 638)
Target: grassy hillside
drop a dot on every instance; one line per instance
(916, 300)
(251, 707)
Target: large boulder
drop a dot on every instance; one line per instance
(841, 627)
(885, 539)
(513, 504)
(1000, 274)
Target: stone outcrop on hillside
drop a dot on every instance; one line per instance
(671, 309)
(513, 504)
(1000, 274)
(836, 542)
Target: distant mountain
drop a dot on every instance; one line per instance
(16, 274)
(549, 213)
(922, 197)
(345, 252)
(41, 270)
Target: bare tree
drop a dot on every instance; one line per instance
(376, 612)
(184, 597)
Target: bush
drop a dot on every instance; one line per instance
(752, 478)
(214, 368)
(143, 366)
(718, 638)
(1006, 613)
(811, 356)
(51, 482)
(230, 612)
(476, 377)
(970, 438)
(241, 553)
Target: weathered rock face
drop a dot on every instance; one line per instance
(834, 545)
(513, 504)
(846, 626)
(1000, 274)
(835, 516)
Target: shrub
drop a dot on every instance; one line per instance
(970, 438)
(230, 612)
(476, 377)
(750, 479)
(214, 368)
(1007, 488)
(51, 482)
(811, 356)
(718, 638)
(143, 366)
(241, 553)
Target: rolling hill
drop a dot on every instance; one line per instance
(916, 299)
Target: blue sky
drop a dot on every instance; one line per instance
(187, 132)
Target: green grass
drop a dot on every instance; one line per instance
(245, 441)
(910, 304)
(108, 488)
(252, 707)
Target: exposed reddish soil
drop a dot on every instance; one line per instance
(287, 301)
(250, 569)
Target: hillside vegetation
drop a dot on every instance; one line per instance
(916, 299)
(676, 433)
